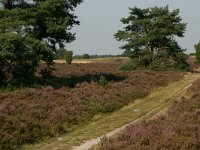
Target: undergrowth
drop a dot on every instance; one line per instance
(28, 115)
(179, 128)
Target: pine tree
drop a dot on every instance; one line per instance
(150, 35)
(32, 30)
(197, 48)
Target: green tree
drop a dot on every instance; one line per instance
(86, 56)
(20, 56)
(60, 54)
(32, 30)
(149, 32)
(127, 53)
(68, 57)
(197, 48)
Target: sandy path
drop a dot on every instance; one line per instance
(146, 108)
(88, 144)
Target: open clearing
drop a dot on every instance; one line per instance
(96, 60)
(140, 109)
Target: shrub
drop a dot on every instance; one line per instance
(197, 48)
(19, 57)
(60, 54)
(85, 56)
(94, 107)
(102, 81)
(160, 61)
(46, 72)
(68, 57)
(132, 65)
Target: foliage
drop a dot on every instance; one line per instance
(20, 56)
(31, 114)
(177, 129)
(128, 53)
(68, 57)
(102, 81)
(192, 54)
(30, 31)
(149, 38)
(60, 54)
(132, 65)
(96, 56)
(197, 47)
(160, 61)
(48, 20)
(86, 56)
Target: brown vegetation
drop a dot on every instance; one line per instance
(178, 129)
(71, 97)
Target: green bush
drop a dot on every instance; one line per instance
(60, 54)
(85, 56)
(94, 107)
(102, 81)
(19, 57)
(131, 65)
(68, 57)
(158, 61)
(197, 48)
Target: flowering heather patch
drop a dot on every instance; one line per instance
(178, 129)
(71, 98)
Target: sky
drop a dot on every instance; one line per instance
(100, 20)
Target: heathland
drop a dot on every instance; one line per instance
(177, 128)
(46, 104)
(73, 96)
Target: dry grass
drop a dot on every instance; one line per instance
(97, 60)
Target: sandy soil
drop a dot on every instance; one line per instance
(96, 60)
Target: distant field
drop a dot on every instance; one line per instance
(97, 60)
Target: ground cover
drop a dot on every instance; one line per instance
(88, 135)
(178, 128)
(73, 96)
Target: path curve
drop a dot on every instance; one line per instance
(88, 144)
(111, 124)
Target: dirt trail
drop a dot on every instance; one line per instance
(109, 125)
(88, 144)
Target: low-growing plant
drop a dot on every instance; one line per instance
(178, 128)
(103, 82)
(70, 98)
(129, 66)
(95, 106)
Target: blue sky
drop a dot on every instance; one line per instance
(100, 20)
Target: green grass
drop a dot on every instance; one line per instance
(147, 107)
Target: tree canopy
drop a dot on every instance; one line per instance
(151, 28)
(150, 33)
(197, 48)
(32, 30)
(47, 20)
